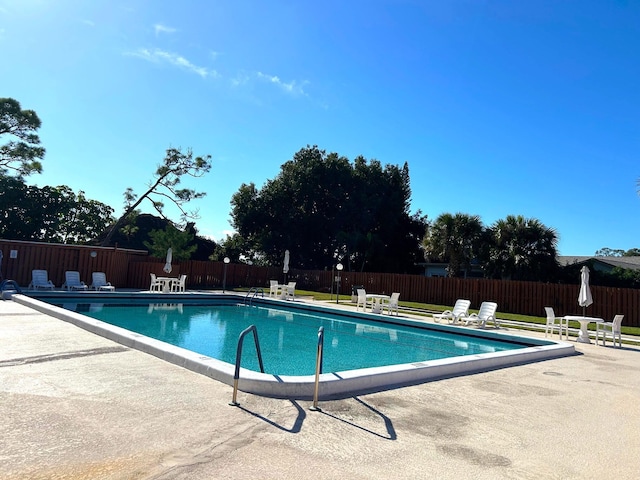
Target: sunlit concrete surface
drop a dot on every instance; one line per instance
(76, 405)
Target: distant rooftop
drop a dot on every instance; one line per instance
(630, 263)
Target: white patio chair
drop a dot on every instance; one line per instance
(289, 292)
(99, 282)
(273, 288)
(460, 309)
(40, 279)
(362, 299)
(554, 322)
(156, 285)
(178, 284)
(614, 328)
(392, 304)
(72, 281)
(487, 313)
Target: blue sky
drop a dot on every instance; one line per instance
(499, 107)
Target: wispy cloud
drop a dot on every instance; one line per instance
(161, 56)
(88, 22)
(159, 28)
(292, 87)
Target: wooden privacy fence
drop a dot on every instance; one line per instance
(131, 269)
(20, 258)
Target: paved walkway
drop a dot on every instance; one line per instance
(74, 405)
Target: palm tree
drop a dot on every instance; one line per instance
(522, 249)
(455, 239)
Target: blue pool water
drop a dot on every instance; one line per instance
(288, 337)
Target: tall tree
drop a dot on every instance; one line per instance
(522, 249)
(22, 154)
(454, 239)
(324, 209)
(164, 186)
(179, 241)
(49, 214)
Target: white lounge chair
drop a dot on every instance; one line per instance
(487, 313)
(554, 322)
(99, 282)
(460, 309)
(72, 281)
(392, 304)
(614, 328)
(362, 299)
(40, 279)
(178, 285)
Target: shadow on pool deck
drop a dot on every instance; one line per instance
(97, 410)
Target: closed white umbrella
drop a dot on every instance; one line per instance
(285, 266)
(167, 266)
(584, 297)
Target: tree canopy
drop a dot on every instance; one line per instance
(325, 209)
(49, 214)
(522, 249)
(454, 239)
(179, 241)
(164, 186)
(22, 154)
(515, 248)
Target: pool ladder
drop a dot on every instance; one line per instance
(236, 375)
(255, 291)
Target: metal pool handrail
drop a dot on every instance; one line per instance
(315, 407)
(236, 375)
(255, 291)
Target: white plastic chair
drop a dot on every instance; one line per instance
(289, 292)
(73, 282)
(392, 304)
(362, 299)
(460, 309)
(273, 288)
(487, 313)
(554, 322)
(178, 284)
(99, 282)
(40, 279)
(156, 285)
(614, 328)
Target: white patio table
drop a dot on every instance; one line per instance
(583, 335)
(166, 283)
(376, 305)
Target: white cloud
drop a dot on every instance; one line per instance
(159, 28)
(293, 87)
(88, 22)
(161, 56)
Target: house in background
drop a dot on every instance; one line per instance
(601, 264)
(439, 269)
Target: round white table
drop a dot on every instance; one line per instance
(583, 335)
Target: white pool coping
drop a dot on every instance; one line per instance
(331, 385)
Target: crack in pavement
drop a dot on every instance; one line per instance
(61, 356)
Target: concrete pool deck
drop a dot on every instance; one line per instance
(75, 405)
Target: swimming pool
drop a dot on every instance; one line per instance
(361, 353)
